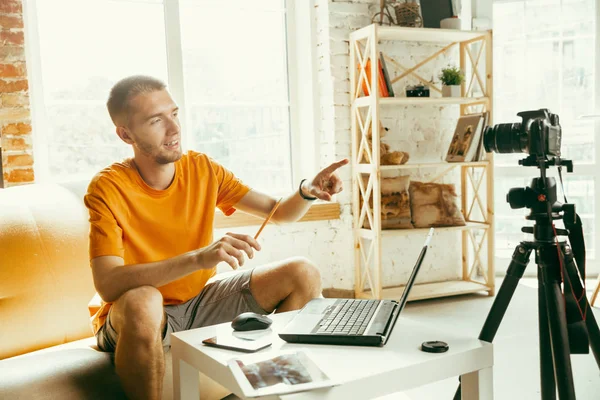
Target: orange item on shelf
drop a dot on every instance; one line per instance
(383, 91)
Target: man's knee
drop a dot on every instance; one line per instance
(305, 275)
(140, 311)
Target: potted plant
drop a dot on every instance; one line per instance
(452, 78)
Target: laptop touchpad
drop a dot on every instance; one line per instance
(317, 306)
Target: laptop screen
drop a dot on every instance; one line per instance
(410, 283)
(413, 274)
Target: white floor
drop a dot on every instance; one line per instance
(516, 365)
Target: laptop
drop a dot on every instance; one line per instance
(350, 321)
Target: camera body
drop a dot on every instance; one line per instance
(417, 91)
(539, 135)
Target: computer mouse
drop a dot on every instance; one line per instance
(250, 321)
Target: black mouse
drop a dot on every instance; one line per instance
(250, 321)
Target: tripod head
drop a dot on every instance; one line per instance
(541, 198)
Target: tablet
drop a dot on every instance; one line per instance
(231, 342)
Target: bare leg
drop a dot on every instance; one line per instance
(138, 318)
(286, 285)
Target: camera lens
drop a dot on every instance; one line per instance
(505, 138)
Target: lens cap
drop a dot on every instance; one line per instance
(435, 346)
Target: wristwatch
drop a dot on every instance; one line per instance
(305, 197)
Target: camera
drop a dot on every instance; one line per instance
(539, 135)
(565, 326)
(417, 91)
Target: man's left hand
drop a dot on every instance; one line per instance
(326, 183)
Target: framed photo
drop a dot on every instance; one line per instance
(466, 138)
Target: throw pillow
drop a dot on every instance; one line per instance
(395, 203)
(434, 204)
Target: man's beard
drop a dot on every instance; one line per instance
(158, 157)
(167, 159)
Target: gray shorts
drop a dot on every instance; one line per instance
(220, 301)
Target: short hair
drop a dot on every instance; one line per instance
(125, 89)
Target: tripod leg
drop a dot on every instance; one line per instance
(557, 320)
(514, 273)
(590, 321)
(519, 261)
(546, 363)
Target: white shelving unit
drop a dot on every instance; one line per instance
(477, 274)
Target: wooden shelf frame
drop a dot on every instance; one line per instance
(365, 101)
(370, 234)
(417, 34)
(476, 177)
(368, 168)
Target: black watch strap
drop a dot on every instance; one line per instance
(305, 197)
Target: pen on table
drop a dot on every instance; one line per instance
(268, 218)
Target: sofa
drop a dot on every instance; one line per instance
(47, 350)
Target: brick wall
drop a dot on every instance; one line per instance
(15, 116)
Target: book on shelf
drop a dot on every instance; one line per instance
(466, 138)
(383, 92)
(386, 75)
(480, 153)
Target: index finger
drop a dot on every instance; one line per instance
(336, 165)
(246, 238)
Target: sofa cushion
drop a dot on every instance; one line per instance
(45, 279)
(78, 371)
(70, 373)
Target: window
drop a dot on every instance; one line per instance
(544, 57)
(237, 87)
(82, 52)
(231, 61)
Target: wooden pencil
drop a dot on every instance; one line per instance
(268, 218)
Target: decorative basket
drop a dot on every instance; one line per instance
(408, 14)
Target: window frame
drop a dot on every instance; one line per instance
(594, 267)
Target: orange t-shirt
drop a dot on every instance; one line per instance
(131, 220)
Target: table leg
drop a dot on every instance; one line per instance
(186, 380)
(478, 385)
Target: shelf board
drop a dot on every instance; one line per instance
(430, 100)
(365, 101)
(369, 168)
(369, 234)
(418, 34)
(430, 290)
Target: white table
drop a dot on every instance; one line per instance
(363, 372)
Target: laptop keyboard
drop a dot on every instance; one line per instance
(349, 317)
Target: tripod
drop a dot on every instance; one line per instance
(555, 264)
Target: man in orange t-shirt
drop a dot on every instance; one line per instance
(151, 241)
